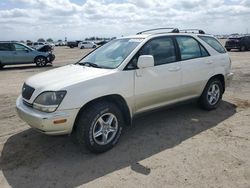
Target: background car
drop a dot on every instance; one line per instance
(102, 42)
(73, 44)
(86, 44)
(13, 53)
(238, 42)
(37, 45)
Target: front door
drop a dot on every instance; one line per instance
(157, 86)
(21, 54)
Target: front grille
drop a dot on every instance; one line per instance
(27, 91)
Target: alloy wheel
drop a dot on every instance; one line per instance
(213, 94)
(105, 129)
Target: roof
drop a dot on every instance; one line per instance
(171, 31)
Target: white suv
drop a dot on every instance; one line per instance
(86, 44)
(94, 98)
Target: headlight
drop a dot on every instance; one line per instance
(49, 101)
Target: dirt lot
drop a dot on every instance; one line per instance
(178, 147)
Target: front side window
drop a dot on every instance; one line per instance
(215, 44)
(20, 47)
(162, 49)
(190, 48)
(112, 54)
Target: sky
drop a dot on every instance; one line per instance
(78, 19)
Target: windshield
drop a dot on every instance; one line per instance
(112, 54)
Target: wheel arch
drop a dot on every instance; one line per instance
(221, 78)
(37, 56)
(114, 98)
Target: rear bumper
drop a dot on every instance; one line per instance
(228, 78)
(44, 122)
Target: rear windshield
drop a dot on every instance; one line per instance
(215, 44)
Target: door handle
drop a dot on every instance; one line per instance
(174, 69)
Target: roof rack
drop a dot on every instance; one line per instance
(173, 30)
(199, 31)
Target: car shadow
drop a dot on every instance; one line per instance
(31, 159)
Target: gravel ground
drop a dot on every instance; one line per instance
(181, 146)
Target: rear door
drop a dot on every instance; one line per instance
(6, 53)
(196, 64)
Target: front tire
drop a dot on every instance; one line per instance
(41, 61)
(211, 95)
(228, 49)
(99, 127)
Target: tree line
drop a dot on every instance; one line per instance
(50, 40)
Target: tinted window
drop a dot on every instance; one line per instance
(162, 49)
(5, 47)
(20, 47)
(190, 48)
(215, 44)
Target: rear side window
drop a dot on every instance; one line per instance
(215, 44)
(162, 49)
(190, 48)
(5, 47)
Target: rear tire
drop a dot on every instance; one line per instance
(99, 127)
(228, 49)
(211, 95)
(41, 61)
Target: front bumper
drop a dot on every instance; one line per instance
(228, 78)
(44, 122)
(51, 57)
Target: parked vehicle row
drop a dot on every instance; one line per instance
(13, 53)
(96, 97)
(73, 44)
(37, 45)
(85, 44)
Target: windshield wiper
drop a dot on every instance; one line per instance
(89, 64)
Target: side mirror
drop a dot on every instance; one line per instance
(145, 61)
(27, 51)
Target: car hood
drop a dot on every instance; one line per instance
(65, 76)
